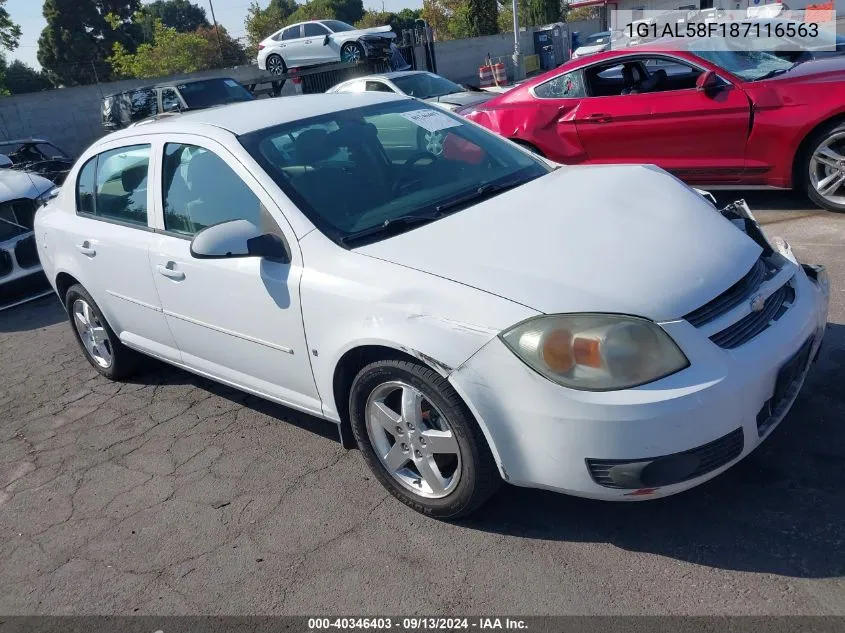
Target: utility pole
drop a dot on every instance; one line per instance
(517, 58)
(217, 31)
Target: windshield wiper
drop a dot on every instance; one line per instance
(391, 226)
(487, 190)
(775, 72)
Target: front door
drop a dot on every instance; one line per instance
(699, 136)
(238, 320)
(315, 51)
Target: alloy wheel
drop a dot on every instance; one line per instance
(433, 142)
(275, 65)
(413, 440)
(92, 333)
(351, 54)
(827, 168)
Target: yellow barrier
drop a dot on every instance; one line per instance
(532, 63)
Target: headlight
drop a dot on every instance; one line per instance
(595, 352)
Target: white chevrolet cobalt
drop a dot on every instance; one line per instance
(469, 317)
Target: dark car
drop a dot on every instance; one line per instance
(123, 109)
(39, 157)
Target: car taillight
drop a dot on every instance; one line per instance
(261, 47)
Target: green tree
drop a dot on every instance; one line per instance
(284, 7)
(182, 15)
(261, 23)
(543, 12)
(80, 35)
(375, 18)
(10, 33)
(233, 53)
(21, 78)
(482, 17)
(171, 53)
(314, 10)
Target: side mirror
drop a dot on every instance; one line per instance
(326, 40)
(238, 238)
(5, 162)
(707, 81)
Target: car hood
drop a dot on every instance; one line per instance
(462, 98)
(625, 239)
(821, 70)
(582, 51)
(15, 185)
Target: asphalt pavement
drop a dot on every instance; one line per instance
(171, 494)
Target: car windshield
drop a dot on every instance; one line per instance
(337, 26)
(371, 171)
(204, 94)
(597, 38)
(747, 64)
(426, 85)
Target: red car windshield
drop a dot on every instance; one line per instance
(746, 64)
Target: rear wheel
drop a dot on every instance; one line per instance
(276, 65)
(99, 343)
(420, 440)
(823, 171)
(352, 52)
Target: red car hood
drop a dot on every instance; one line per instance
(829, 69)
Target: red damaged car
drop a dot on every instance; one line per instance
(724, 118)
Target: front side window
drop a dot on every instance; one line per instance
(113, 185)
(567, 86)
(356, 172)
(200, 189)
(313, 29)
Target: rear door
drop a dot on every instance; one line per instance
(109, 241)
(292, 46)
(700, 137)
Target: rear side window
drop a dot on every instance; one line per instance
(113, 185)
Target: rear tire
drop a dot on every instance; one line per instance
(276, 65)
(100, 345)
(420, 440)
(822, 168)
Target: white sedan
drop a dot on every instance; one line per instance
(321, 42)
(468, 318)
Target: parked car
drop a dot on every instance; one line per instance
(790, 45)
(468, 317)
(599, 42)
(423, 85)
(321, 42)
(21, 277)
(167, 99)
(37, 156)
(716, 117)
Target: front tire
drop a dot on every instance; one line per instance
(351, 52)
(420, 440)
(100, 345)
(823, 168)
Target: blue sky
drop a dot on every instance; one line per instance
(230, 13)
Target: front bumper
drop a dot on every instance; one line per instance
(704, 418)
(375, 47)
(21, 276)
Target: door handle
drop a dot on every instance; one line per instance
(170, 271)
(85, 249)
(599, 117)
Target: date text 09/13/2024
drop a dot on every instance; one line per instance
(417, 623)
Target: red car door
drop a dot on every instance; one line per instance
(700, 136)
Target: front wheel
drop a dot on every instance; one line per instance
(352, 52)
(823, 168)
(420, 440)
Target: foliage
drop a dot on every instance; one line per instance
(80, 35)
(543, 12)
(397, 21)
(172, 52)
(482, 17)
(181, 15)
(10, 33)
(223, 50)
(21, 78)
(262, 23)
(584, 13)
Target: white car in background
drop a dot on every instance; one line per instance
(21, 277)
(321, 42)
(467, 317)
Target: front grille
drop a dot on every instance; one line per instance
(26, 252)
(6, 264)
(23, 288)
(732, 297)
(750, 326)
(710, 457)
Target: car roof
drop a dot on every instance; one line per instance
(392, 75)
(249, 116)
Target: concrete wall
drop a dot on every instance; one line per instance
(71, 117)
(459, 60)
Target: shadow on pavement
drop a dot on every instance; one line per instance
(33, 315)
(779, 511)
(771, 200)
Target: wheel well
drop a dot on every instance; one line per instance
(347, 368)
(797, 177)
(63, 282)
